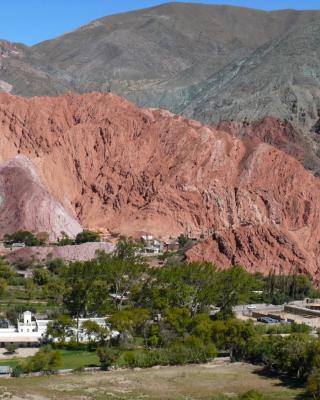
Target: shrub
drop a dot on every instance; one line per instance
(45, 360)
(313, 385)
(107, 356)
(176, 354)
(11, 348)
(55, 265)
(182, 240)
(41, 277)
(129, 358)
(28, 238)
(251, 395)
(87, 236)
(17, 371)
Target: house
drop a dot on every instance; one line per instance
(152, 246)
(171, 245)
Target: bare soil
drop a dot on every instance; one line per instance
(191, 382)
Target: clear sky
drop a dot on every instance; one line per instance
(32, 21)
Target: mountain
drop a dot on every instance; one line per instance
(184, 42)
(209, 63)
(106, 164)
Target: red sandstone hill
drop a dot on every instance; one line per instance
(101, 160)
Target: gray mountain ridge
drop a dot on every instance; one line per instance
(210, 63)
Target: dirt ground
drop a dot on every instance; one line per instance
(20, 353)
(192, 382)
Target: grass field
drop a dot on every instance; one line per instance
(70, 359)
(192, 382)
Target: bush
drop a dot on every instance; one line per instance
(182, 240)
(55, 265)
(11, 348)
(107, 357)
(17, 371)
(41, 277)
(28, 238)
(87, 236)
(176, 354)
(313, 385)
(45, 360)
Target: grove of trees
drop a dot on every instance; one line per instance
(165, 315)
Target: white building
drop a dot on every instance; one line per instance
(27, 332)
(31, 331)
(152, 246)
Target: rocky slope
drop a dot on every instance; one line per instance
(26, 204)
(120, 168)
(81, 252)
(281, 134)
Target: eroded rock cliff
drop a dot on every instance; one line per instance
(123, 169)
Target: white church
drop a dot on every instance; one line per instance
(31, 331)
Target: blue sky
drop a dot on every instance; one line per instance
(32, 21)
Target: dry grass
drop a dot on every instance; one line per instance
(166, 383)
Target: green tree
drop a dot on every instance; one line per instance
(129, 322)
(3, 286)
(127, 250)
(182, 240)
(233, 335)
(41, 277)
(6, 271)
(234, 287)
(192, 286)
(201, 327)
(179, 320)
(54, 291)
(26, 237)
(123, 275)
(100, 333)
(87, 236)
(84, 294)
(30, 289)
(293, 355)
(56, 265)
(61, 328)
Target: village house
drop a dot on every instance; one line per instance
(171, 245)
(151, 246)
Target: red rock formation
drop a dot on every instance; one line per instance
(128, 170)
